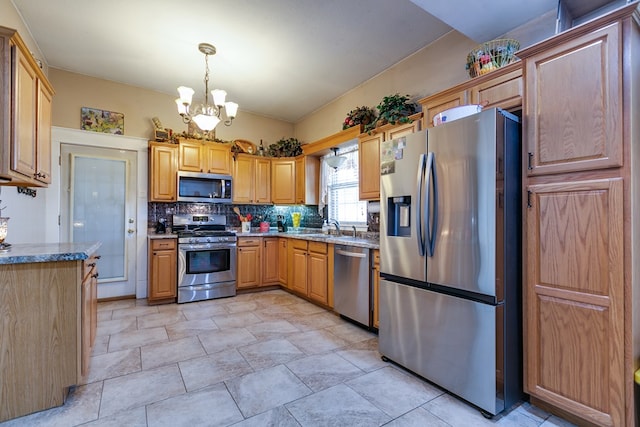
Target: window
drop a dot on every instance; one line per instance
(343, 202)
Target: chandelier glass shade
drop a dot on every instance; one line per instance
(206, 116)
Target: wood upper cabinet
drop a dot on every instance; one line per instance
(436, 104)
(163, 272)
(283, 256)
(307, 184)
(369, 154)
(163, 169)
(204, 156)
(369, 166)
(251, 179)
(190, 158)
(502, 88)
(574, 104)
(217, 158)
(283, 181)
(270, 266)
(249, 262)
(262, 180)
(25, 122)
(504, 91)
(43, 133)
(243, 176)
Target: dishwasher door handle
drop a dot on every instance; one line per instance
(351, 254)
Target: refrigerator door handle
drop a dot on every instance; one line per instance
(431, 211)
(420, 182)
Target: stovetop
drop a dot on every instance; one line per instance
(202, 228)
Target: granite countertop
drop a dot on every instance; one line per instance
(317, 236)
(48, 252)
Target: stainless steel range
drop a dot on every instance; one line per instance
(206, 257)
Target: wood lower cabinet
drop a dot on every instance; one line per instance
(163, 271)
(249, 262)
(25, 122)
(88, 312)
(47, 329)
(298, 266)
(270, 266)
(283, 273)
(317, 272)
(580, 252)
(163, 169)
(308, 272)
(375, 286)
(369, 154)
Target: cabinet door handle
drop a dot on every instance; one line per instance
(95, 275)
(93, 264)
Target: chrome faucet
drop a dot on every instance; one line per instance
(336, 223)
(354, 231)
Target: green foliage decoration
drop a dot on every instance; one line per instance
(289, 147)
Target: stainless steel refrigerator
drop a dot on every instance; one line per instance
(450, 257)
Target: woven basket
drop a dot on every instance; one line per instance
(491, 55)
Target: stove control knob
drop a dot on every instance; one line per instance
(192, 240)
(208, 239)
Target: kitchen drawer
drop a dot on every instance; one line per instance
(249, 241)
(318, 247)
(163, 244)
(299, 244)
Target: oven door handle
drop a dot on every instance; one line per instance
(205, 246)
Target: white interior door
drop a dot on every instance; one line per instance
(98, 203)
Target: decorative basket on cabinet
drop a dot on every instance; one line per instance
(491, 55)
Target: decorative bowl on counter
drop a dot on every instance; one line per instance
(456, 113)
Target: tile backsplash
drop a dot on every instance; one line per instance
(269, 213)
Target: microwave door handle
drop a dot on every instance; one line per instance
(432, 210)
(419, 185)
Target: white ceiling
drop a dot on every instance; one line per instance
(278, 58)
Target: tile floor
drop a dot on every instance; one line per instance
(262, 359)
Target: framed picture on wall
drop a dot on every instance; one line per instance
(97, 120)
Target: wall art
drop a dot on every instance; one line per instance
(97, 120)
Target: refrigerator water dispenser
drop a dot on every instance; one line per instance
(399, 221)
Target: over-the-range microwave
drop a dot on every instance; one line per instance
(204, 187)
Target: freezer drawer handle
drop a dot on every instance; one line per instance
(350, 254)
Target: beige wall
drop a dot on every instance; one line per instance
(430, 70)
(74, 91)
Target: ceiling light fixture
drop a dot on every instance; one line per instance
(206, 116)
(335, 161)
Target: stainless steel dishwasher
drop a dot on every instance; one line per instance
(351, 291)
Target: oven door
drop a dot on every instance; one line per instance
(206, 263)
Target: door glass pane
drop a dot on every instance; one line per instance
(99, 202)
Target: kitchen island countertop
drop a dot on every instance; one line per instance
(24, 253)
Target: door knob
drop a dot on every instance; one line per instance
(131, 231)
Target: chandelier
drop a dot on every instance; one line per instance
(206, 116)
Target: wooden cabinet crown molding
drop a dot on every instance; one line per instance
(323, 146)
